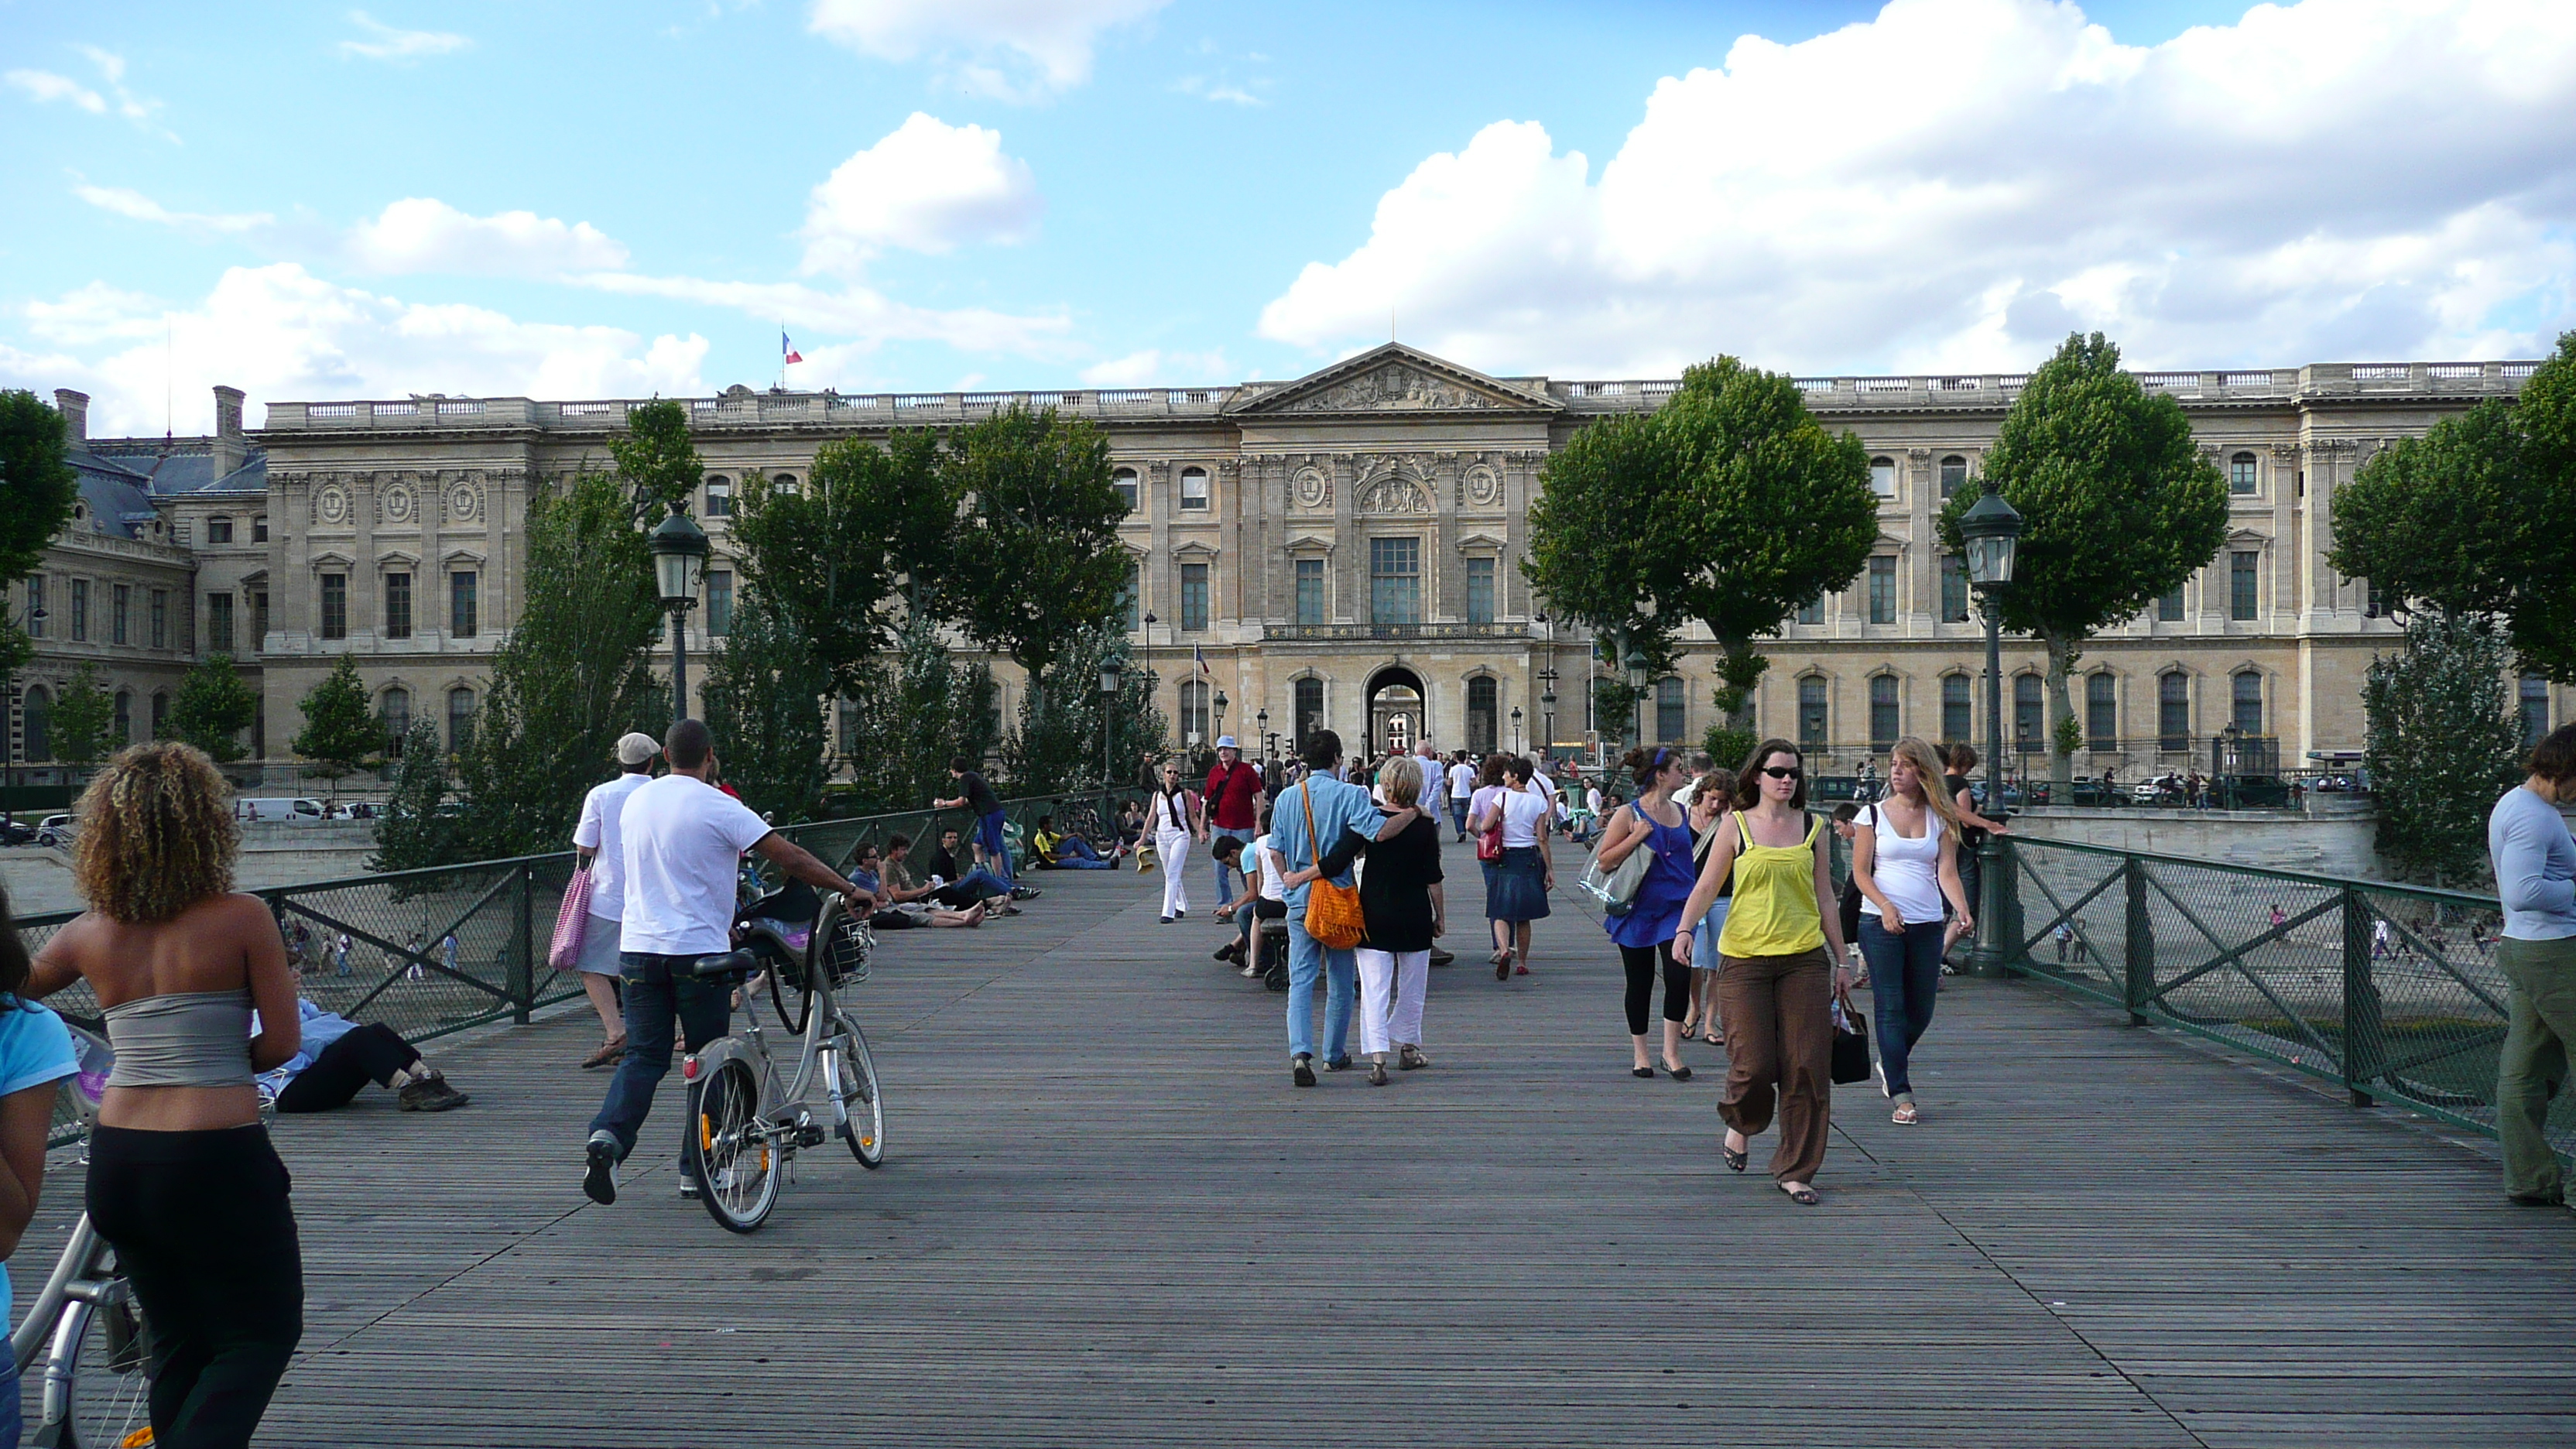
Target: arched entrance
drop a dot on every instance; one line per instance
(1397, 706)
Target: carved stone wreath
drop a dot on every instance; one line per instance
(398, 504)
(1483, 487)
(331, 505)
(464, 500)
(1312, 490)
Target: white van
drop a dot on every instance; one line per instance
(294, 811)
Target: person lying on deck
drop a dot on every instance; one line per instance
(339, 1057)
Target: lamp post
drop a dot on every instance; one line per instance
(679, 549)
(1516, 729)
(1636, 666)
(1547, 700)
(9, 735)
(1220, 714)
(1989, 531)
(1112, 679)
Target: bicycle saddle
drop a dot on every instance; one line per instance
(734, 964)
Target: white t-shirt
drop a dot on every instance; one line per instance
(1522, 812)
(1907, 872)
(683, 838)
(1462, 781)
(600, 810)
(1274, 873)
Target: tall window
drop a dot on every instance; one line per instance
(1956, 720)
(80, 611)
(1395, 580)
(397, 711)
(1194, 712)
(1812, 611)
(160, 714)
(35, 620)
(1194, 490)
(719, 497)
(1194, 596)
(2246, 703)
(2169, 606)
(1124, 480)
(1954, 589)
(2374, 600)
(120, 602)
(1310, 709)
(1882, 588)
(2535, 710)
(2173, 711)
(258, 620)
(159, 616)
(2240, 585)
(461, 604)
(219, 623)
(398, 606)
(1310, 591)
(848, 718)
(1483, 730)
(2030, 714)
(2102, 711)
(219, 529)
(719, 602)
(1672, 711)
(1811, 715)
(37, 719)
(1480, 591)
(1882, 477)
(460, 719)
(1882, 712)
(121, 733)
(335, 606)
(1131, 600)
(259, 529)
(1954, 474)
(2240, 473)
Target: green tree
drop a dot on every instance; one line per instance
(863, 546)
(907, 713)
(37, 487)
(1035, 562)
(2443, 744)
(212, 708)
(2119, 507)
(1058, 746)
(416, 831)
(2543, 618)
(655, 459)
(572, 676)
(84, 719)
(766, 706)
(341, 733)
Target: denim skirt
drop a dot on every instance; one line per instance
(1516, 886)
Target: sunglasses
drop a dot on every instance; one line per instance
(1784, 772)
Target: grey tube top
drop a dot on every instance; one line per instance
(182, 1039)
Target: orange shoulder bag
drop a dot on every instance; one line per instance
(1332, 911)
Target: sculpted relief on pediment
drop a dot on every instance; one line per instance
(1395, 387)
(1394, 493)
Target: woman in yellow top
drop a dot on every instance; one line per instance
(1773, 989)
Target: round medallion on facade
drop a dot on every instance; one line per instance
(1482, 486)
(463, 501)
(331, 505)
(1310, 487)
(398, 504)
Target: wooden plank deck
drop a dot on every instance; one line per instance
(1108, 1219)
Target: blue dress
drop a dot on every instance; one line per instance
(1656, 913)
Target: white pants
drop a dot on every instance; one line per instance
(1172, 849)
(1410, 973)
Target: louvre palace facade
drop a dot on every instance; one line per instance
(1341, 550)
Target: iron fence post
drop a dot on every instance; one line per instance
(2141, 950)
(2363, 1041)
(523, 980)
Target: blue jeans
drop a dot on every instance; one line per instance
(1458, 814)
(1077, 854)
(1223, 870)
(1904, 981)
(658, 988)
(1307, 958)
(980, 885)
(997, 846)
(11, 1422)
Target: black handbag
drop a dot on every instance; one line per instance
(1851, 1046)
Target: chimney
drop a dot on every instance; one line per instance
(230, 451)
(74, 407)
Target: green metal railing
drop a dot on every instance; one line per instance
(2391, 992)
(452, 947)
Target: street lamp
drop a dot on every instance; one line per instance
(1636, 665)
(679, 560)
(1220, 714)
(1547, 699)
(1516, 729)
(1989, 531)
(1113, 674)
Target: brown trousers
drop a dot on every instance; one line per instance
(1780, 1049)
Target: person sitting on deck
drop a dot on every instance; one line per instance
(886, 913)
(1067, 851)
(979, 889)
(339, 1056)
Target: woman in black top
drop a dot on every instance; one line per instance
(1403, 908)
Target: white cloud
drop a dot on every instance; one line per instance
(855, 312)
(130, 203)
(1208, 89)
(44, 85)
(928, 187)
(1155, 367)
(1957, 183)
(388, 43)
(422, 234)
(1013, 49)
(280, 333)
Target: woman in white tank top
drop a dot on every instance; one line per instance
(1169, 811)
(1905, 859)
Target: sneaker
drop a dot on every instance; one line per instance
(689, 1188)
(430, 1094)
(1251, 970)
(1025, 893)
(1338, 1064)
(1230, 951)
(1301, 1070)
(599, 1179)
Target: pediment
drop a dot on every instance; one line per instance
(1393, 378)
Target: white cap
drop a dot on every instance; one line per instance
(635, 748)
(1225, 742)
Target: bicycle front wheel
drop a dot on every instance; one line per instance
(109, 1406)
(738, 1162)
(858, 1108)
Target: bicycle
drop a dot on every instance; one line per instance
(85, 1323)
(748, 1124)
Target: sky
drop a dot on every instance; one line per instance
(314, 201)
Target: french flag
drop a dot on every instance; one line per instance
(786, 349)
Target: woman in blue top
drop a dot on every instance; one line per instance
(35, 1053)
(1645, 934)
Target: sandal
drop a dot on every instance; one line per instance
(1503, 964)
(1734, 1159)
(1715, 1037)
(1802, 1196)
(1904, 1115)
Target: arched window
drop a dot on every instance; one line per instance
(1483, 731)
(1882, 712)
(1882, 477)
(1194, 490)
(122, 733)
(1812, 719)
(1672, 712)
(2535, 710)
(39, 724)
(460, 719)
(2246, 702)
(1124, 480)
(160, 714)
(1310, 709)
(786, 482)
(1957, 722)
(397, 715)
(719, 497)
(2173, 711)
(1954, 474)
(2102, 711)
(1194, 713)
(2030, 714)
(2240, 473)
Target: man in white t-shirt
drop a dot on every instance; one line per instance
(682, 840)
(1546, 787)
(603, 850)
(1462, 788)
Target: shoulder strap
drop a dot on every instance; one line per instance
(1311, 843)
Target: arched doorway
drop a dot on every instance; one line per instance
(1397, 707)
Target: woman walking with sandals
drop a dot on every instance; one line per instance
(1644, 935)
(1905, 859)
(1776, 988)
(1173, 807)
(1516, 888)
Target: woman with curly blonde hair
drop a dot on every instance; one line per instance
(182, 1179)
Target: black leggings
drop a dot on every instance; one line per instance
(371, 1053)
(201, 1226)
(1641, 963)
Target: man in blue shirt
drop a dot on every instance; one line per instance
(1336, 807)
(2535, 871)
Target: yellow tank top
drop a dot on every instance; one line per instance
(1775, 898)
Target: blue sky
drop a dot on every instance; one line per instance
(326, 201)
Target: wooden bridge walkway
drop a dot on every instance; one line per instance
(1108, 1220)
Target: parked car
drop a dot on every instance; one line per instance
(278, 807)
(17, 832)
(54, 830)
(357, 810)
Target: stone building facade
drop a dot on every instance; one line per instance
(1342, 550)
